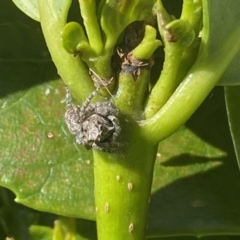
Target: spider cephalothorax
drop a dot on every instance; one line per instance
(95, 125)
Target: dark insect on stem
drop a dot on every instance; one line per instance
(95, 125)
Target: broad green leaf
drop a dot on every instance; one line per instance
(40, 161)
(232, 75)
(196, 179)
(224, 13)
(32, 125)
(232, 95)
(224, 22)
(29, 7)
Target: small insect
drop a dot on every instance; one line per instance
(95, 125)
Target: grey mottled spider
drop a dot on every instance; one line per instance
(95, 125)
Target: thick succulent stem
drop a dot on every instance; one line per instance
(71, 69)
(122, 188)
(64, 228)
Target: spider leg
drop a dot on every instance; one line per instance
(86, 107)
(68, 97)
(110, 147)
(105, 109)
(116, 125)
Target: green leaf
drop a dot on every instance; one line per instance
(232, 95)
(30, 111)
(34, 142)
(229, 18)
(219, 14)
(196, 179)
(231, 75)
(43, 155)
(29, 7)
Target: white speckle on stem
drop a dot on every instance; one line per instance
(130, 228)
(118, 178)
(106, 207)
(130, 186)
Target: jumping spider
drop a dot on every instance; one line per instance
(95, 125)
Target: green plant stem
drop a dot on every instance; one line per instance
(192, 12)
(64, 228)
(178, 37)
(88, 13)
(132, 92)
(71, 69)
(122, 187)
(123, 180)
(114, 17)
(201, 78)
(148, 44)
(101, 65)
(167, 82)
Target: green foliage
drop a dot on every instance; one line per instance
(195, 187)
(232, 95)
